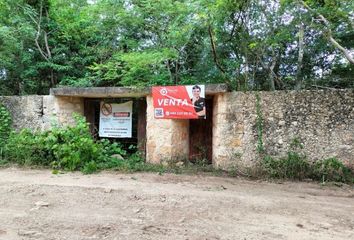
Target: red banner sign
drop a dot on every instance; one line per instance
(179, 102)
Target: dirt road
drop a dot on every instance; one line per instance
(35, 204)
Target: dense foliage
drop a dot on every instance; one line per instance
(295, 166)
(66, 148)
(248, 44)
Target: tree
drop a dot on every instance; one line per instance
(248, 44)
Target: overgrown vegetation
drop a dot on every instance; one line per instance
(68, 148)
(295, 166)
(331, 170)
(5, 129)
(72, 148)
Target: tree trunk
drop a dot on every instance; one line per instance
(52, 81)
(168, 66)
(300, 58)
(271, 74)
(213, 49)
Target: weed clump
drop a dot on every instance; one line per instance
(332, 169)
(296, 167)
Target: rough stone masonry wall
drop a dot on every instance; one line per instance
(61, 109)
(323, 121)
(26, 111)
(41, 112)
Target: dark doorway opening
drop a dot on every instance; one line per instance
(138, 139)
(200, 136)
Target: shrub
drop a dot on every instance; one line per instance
(70, 148)
(90, 167)
(332, 169)
(109, 149)
(294, 166)
(27, 148)
(134, 163)
(73, 147)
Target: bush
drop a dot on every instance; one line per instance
(70, 148)
(332, 169)
(294, 166)
(73, 147)
(27, 148)
(90, 167)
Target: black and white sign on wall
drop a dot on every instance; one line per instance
(116, 120)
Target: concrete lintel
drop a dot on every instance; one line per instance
(212, 89)
(107, 92)
(100, 92)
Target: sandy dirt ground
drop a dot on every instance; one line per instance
(35, 204)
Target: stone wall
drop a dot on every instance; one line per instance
(42, 112)
(322, 121)
(66, 107)
(26, 111)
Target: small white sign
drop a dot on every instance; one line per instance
(116, 120)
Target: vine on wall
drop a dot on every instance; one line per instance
(5, 125)
(259, 124)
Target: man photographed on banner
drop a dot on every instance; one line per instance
(198, 102)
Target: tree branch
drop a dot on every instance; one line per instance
(49, 54)
(330, 34)
(342, 49)
(300, 57)
(168, 66)
(213, 48)
(38, 34)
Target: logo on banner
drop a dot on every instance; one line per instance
(163, 91)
